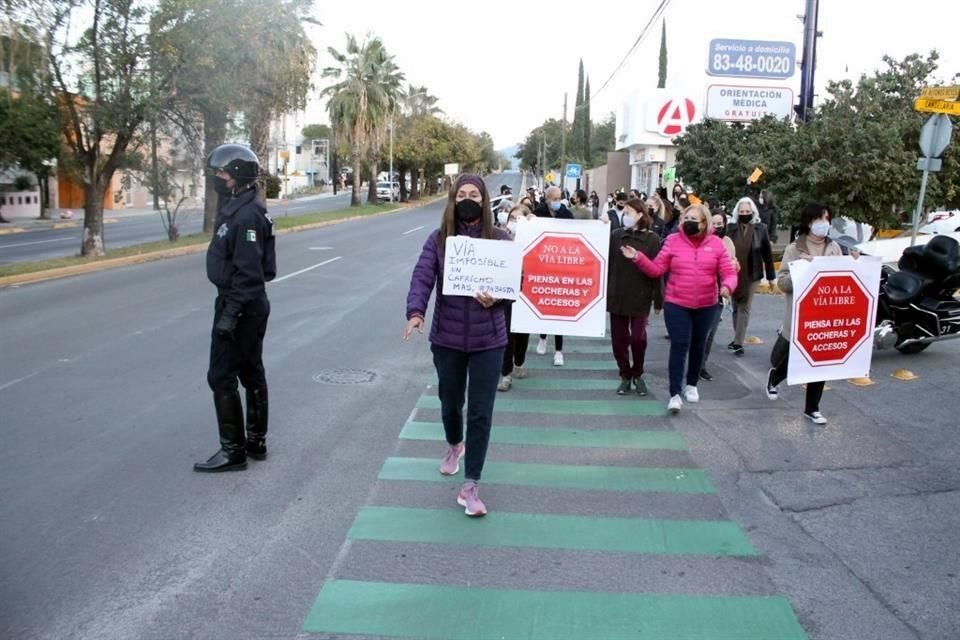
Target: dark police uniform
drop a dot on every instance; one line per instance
(241, 259)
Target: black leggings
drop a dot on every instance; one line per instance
(814, 389)
(557, 341)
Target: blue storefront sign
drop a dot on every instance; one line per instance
(751, 59)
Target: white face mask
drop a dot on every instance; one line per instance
(820, 228)
(502, 217)
(629, 220)
(512, 226)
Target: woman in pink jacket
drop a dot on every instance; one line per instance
(696, 260)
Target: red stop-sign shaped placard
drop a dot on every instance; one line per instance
(833, 317)
(563, 277)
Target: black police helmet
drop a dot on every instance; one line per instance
(236, 160)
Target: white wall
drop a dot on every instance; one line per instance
(20, 204)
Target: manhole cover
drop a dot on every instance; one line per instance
(345, 376)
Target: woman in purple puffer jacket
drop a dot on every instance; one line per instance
(467, 338)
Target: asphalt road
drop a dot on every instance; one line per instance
(107, 533)
(129, 229)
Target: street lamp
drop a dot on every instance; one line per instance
(390, 182)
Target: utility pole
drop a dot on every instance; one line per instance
(809, 61)
(154, 159)
(563, 145)
(391, 158)
(543, 158)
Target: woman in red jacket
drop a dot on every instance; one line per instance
(695, 258)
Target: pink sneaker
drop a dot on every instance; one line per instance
(469, 498)
(450, 465)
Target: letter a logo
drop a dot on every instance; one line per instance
(675, 116)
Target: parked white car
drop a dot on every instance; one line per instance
(890, 249)
(941, 222)
(384, 190)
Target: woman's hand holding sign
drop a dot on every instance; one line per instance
(485, 299)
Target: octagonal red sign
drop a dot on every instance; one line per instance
(563, 277)
(833, 317)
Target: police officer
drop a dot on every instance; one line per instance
(240, 261)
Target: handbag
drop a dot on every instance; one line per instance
(780, 352)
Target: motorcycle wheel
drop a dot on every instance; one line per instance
(910, 349)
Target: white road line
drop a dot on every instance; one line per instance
(414, 229)
(13, 382)
(320, 248)
(27, 244)
(297, 273)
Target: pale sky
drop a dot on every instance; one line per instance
(503, 67)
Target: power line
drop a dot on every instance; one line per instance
(656, 14)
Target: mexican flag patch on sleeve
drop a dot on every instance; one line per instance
(251, 235)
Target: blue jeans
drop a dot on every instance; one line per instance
(688, 334)
(454, 369)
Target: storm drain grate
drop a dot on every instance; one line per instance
(345, 376)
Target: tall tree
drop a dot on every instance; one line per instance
(588, 126)
(858, 152)
(316, 132)
(662, 72)
(360, 98)
(528, 153)
(279, 66)
(29, 136)
(417, 101)
(228, 65)
(576, 146)
(383, 110)
(105, 92)
(603, 140)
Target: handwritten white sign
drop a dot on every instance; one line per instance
(472, 265)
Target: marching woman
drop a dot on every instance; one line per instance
(696, 258)
(630, 294)
(467, 338)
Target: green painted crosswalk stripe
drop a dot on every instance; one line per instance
(596, 478)
(469, 613)
(572, 364)
(500, 529)
(613, 407)
(595, 348)
(538, 383)
(560, 436)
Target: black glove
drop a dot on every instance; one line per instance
(226, 326)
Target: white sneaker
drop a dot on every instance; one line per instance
(772, 391)
(519, 373)
(505, 383)
(675, 404)
(542, 346)
(558, 359)
(690, 394)
(815, 417)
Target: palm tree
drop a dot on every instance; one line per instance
(361, 101)
(383, 113)
(417, 101)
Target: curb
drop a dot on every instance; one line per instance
(110, 263)
(9, 230)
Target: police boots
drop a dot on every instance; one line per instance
(232, 455)
(257, 423)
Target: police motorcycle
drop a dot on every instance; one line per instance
(918, 302)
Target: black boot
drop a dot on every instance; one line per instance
(232, 455)
(257, 423)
